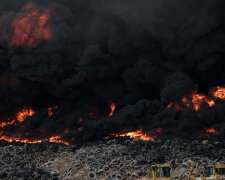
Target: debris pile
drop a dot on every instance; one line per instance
(119, 158)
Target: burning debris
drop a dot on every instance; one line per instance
(85, 71)
(139, 134)
(195, 100)
(20, 117)
(50, 113)
(212, 131)
(113, 107)
(126, 83)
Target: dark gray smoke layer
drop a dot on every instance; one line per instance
(140, 55)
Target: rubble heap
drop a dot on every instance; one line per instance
(119, 158)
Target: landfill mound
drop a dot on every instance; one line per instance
(119, 158)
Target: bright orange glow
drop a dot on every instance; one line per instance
(197, 100)
(113, 107)
(219, 93)
(185, 101)
(170, 105)
(211, 102)
(3, 124)
(212, 131)
(50, 113)
(139, 134)
(30, 27)
(22, 115)
(19, 140)
(136, 135)
(57, 139)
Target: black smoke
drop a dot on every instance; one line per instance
(140, 55)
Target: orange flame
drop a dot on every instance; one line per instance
(195, 100)
(22, 115)
(211, 102)
(212, 131)
(30, 27)
(9, 139)
(113, 107)
(186, 101)
(137, 135)
(50, 113)
(219, 93)
(3, 124)
(170, 105)
(56, 139)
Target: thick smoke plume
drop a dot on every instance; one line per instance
(65, 64)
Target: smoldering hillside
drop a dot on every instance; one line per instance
(140, 55)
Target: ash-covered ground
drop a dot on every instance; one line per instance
(119, 158)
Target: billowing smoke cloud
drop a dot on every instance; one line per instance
(77, 58)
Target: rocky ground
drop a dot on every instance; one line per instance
(110, 159)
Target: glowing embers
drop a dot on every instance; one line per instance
(3, 124)
(212, 131)
(55, 139)
(195, 100)
(139, 134)
(219, 92)
(50, 109)
(11, 139)
(101, 113)
(198, 99)
(20, 117)
(112, 107)
(30, 27)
